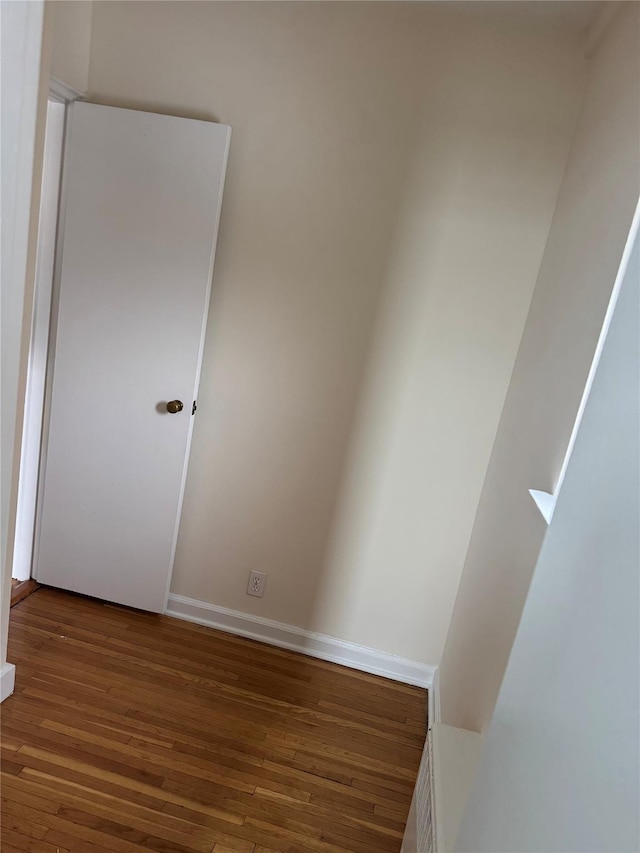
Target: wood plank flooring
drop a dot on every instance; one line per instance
(131, 731)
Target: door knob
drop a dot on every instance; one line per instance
(174, 407)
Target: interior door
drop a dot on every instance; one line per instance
(140, 208)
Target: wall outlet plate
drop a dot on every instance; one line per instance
(256, 584)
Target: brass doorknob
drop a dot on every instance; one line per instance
(174, 407)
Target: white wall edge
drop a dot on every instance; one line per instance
(546, 503)
(7, 680)
(296, 639)
(604, 331)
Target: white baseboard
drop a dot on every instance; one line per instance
(7, 680)
(434, 699)
(298, 640)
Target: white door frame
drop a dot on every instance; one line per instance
(59, 96)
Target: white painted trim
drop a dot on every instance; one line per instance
(298, 640)
(63, 93)
(433, 699)
(7, 680)
(39, 343)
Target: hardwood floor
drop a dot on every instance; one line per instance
(130, 731)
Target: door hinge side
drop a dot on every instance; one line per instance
(193, 408)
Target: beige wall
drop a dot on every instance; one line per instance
(71, 41)
(468, 240)
(590, 226)
(394, 155)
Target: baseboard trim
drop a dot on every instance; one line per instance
(296, 639)
(7, 680)
(433, 699)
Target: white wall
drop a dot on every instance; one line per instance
(71, 41)
(22, 28)
(595, 207)
(31, 33)
(400, 152)
(561, 764)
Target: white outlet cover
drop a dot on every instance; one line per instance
(256, 584)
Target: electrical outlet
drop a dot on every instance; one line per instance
(257, 581)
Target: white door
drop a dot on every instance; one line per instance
(141, 202)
